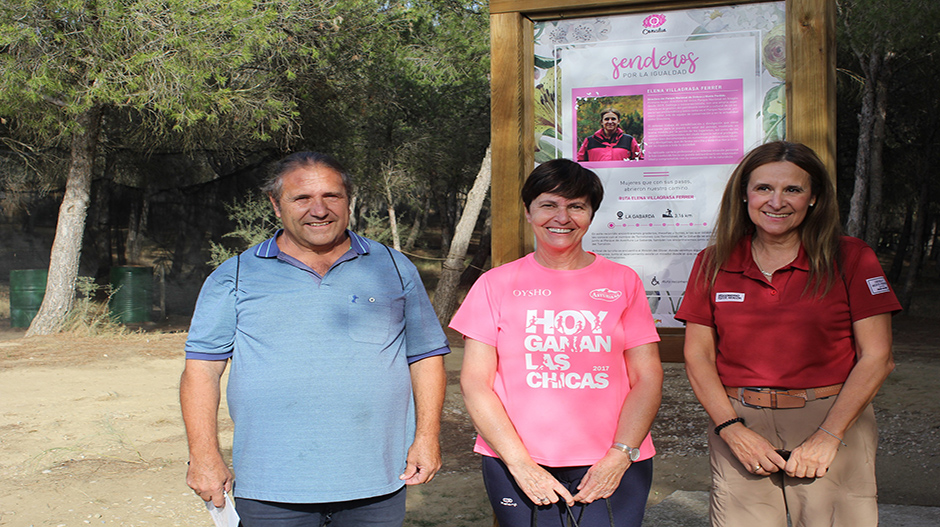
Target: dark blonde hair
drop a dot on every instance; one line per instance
(820, 232)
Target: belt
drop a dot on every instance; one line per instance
(772, 398)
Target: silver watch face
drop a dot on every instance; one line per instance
(634, 454)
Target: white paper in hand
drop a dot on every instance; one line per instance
(224, 517)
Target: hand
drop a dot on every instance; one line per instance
(539, 485)
(813, 458)
(755, 453)
(422, 463)
(603, 478)
(209, 479)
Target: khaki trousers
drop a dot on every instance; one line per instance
(845, 496)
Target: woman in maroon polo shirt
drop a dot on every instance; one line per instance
(788, 340)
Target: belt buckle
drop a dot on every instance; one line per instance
(749, 389)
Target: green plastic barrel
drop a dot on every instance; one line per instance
(133, 294)
(27, 287)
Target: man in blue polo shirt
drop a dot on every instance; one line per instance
(337, 377)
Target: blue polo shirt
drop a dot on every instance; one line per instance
(319, 388)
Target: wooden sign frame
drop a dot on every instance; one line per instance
(810, 87)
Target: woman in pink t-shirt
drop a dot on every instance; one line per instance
(561, 373)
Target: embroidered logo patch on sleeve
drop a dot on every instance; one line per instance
(729, 297)
(878, 285)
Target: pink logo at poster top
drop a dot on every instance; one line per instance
(653, 21)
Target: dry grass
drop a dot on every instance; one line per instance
(5, 301)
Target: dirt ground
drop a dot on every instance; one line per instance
(90, 434)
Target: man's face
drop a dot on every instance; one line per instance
(314, 209)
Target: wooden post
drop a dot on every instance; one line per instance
(512, 131)
(811, 77)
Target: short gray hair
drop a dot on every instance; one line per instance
(273, 185)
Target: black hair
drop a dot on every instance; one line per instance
(565, 178)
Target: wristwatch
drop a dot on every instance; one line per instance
(632, 453)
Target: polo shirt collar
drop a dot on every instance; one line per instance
(357, 243)
(269, 249)
(741, 260)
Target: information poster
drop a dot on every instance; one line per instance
(692, 90)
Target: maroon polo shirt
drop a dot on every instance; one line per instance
(782, 335)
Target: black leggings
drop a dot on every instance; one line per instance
(513, 508)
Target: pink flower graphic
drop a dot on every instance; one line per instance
(775, 52)
(654, 21)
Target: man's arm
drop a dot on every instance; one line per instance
(200, 393)
(429, 382)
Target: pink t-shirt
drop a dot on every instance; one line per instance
(560, 338)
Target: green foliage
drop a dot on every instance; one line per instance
(407, 96)
(899, 25)
(379, 84)
(376, 227)
(178, 66)
(255, 222)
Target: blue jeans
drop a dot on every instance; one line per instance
(380, 511)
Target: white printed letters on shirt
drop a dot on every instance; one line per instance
(551, 336)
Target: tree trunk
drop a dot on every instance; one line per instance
(130, 238)
(917, 252)
(392, 221)
(393, 226)
(897, 263)
(445, 295)
(930, 244)
(855, 223)
(161, 293)
(475, 267)
(67, 246)
(448, 211)
(420, 219)
(136, 227)
(876, 178)
(353, 217)
(100, 227)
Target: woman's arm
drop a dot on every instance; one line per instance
(582, 152)
(636, 417)
(875, 362)
(492, 422)
(635, 150)
(751, 449)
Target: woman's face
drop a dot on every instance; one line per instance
(559, 223)
(778, 197)
(610, 122)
